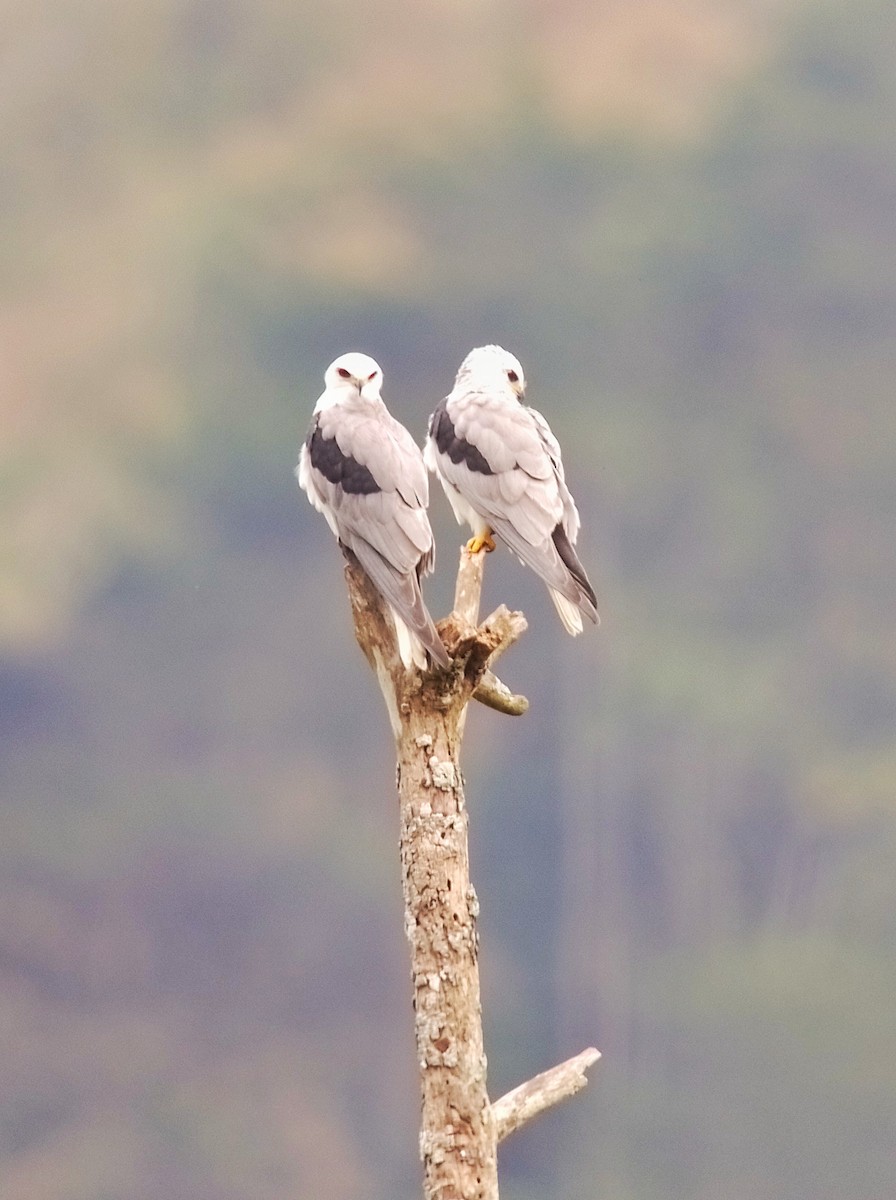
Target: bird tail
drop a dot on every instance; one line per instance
(417, 636)
(569, 612)
(413, 624)
(411, 650)
(557, 563)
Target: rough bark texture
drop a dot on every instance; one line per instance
(457, 1140)
(459, 1127)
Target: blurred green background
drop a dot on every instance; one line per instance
(680, 216)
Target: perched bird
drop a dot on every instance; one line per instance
(501, 470)
(365, 473)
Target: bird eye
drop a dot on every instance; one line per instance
(371, 376)
(342, 373)
(513, 377)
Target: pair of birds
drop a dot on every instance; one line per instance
(496, 459)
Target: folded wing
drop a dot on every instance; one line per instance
(365, 473)
(501, 458)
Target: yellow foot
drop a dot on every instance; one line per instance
(482, 541)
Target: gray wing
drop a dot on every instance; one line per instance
(503, 459)
(366, 474)
(552, 447)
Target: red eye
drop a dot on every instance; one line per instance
(342, 373)
(371, 376)
(513, 377)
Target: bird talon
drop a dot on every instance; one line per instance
(482, 541)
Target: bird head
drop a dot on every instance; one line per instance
(352, 374)
(494, 368)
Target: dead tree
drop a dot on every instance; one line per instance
(460, 1128)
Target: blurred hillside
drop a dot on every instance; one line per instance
(679, 216)
(154, 153)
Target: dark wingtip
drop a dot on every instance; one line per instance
(437, 652)
(572, 563)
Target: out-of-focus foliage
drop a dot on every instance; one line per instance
(680, 217)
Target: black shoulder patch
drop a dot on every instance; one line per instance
(445, 437)
(337, 467)
(571, 561)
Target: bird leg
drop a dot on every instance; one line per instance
(482, 541)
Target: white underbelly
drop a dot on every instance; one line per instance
(463, 510)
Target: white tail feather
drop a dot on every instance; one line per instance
(410, 648)
(569, 613)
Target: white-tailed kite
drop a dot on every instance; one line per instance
(365, 473)
(501, 469)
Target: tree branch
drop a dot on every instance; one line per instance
(490, 690)
(468, 588)
(493, 693)
(530, 1099)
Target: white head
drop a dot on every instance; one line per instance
(492, 367)
(349, 376)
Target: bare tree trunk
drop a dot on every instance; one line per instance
(460, 1129)
(457, 1141)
